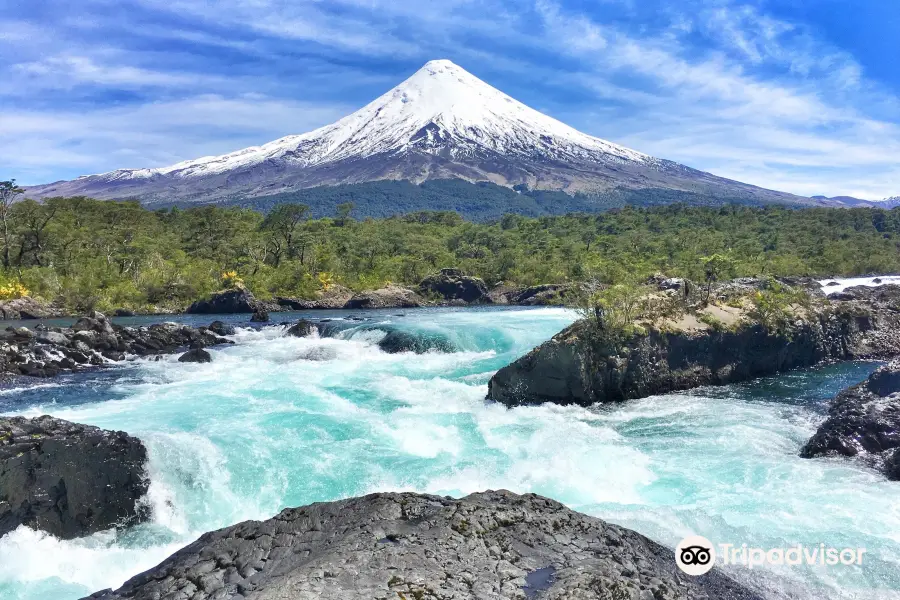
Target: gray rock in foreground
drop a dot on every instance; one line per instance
(864, 420)
(67, 479)
(490, 545)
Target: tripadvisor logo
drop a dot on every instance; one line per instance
(695, 555)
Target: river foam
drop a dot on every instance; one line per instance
(276, 421)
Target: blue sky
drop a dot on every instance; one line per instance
(796, 95)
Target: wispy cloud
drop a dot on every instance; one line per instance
(721, 85)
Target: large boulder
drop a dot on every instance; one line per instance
(864, 420)
(28, 308)
(390, 297)
(486, 546)
(396, 341)
(67, 479)
(452, 284)
(237, 300)
(221, 328)
(302, 328)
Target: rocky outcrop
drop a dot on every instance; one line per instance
(864, 420)
(91, 341)
(389, 297)
(573, 367)
(452, 285)
(487, 546)
(335, 297)
(260, 315)
(28, 308)
(237, 300)
(67, 479)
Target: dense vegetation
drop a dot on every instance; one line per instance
(480, 202)
(86, 253)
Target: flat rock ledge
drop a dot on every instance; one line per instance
(486, 546)
(67, 479)
(864, 420)
(859, 323)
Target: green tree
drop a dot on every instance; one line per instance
(343, 213)
(715, 267)
(282, 225)
(9, 193)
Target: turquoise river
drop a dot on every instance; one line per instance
(276, 421)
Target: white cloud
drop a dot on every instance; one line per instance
(36, 144)
(711, 112)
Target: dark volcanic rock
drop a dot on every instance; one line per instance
(864, 419)
(261, 315)
(891, 465)
(573, 368)
(487, 546)
(389, 297)
(67, 479)
(220, 328)
(452, 284)
(237, 300)
(301, 328)
(195, 355)
(396, 341)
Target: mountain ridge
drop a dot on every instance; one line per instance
(440, 123)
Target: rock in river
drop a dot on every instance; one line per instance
(864, 420)
(67, 479)
(486, 546)
(195, 355)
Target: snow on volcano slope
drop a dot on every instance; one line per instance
(443, 122)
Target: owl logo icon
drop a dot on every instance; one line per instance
(695, 555)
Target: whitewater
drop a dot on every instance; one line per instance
(278, 421)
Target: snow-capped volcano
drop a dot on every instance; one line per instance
(442, 122)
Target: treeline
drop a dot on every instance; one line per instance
(85, 253)
(482, 202)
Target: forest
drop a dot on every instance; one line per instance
(83, 253)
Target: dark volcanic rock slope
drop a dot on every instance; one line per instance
(864, 420)
(408, 546)
(67, 479)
